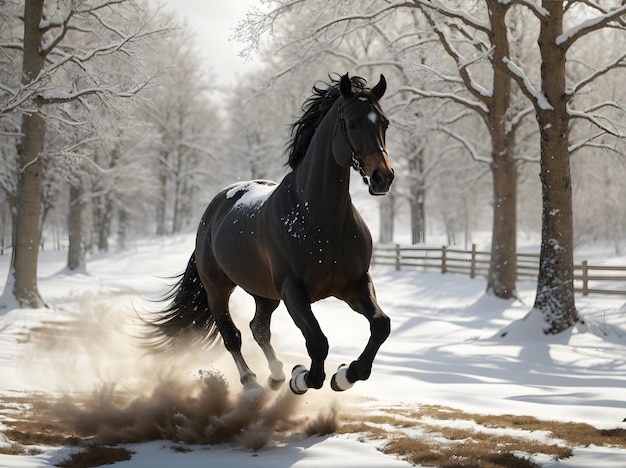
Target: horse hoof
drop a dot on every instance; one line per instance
(340, 381)
(297, 383)
(275, 384)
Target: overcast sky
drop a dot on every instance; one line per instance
(214, 22)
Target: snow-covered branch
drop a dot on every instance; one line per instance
(570, 36)
(590, 143)
(364, 17)
(466, 144)
(48, 98)
(619, 62)
(520, 116)
(64, 27)
(476, 106)
(455, 13)
(539, 11)
(536, 96)
(462, 65)
(596, 122)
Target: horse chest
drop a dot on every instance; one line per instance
(327, 265)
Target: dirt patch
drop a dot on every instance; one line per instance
(446, 437)
(199, 412)
(205, 412)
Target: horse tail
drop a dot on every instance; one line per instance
(187, 320)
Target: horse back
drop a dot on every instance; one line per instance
(230, 238)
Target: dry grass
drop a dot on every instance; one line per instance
(96, 455)
(424, 435)
(30, 421)
(441, 436)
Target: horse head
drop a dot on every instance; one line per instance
(362, 141)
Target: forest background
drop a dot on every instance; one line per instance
(506, 117)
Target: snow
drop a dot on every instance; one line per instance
(255, 192)
(590, 25)
(446, 348)
(539, 96)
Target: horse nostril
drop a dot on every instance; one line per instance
(377, 178)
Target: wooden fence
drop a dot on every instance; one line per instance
(588, 279)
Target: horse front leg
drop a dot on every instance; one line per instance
(363, 300)
(299, 307)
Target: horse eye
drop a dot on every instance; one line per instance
(352, 126)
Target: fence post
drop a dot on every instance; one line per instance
(585, 279)
(444, 267)
(398, 257)
(473, 262)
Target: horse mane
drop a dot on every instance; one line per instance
(314, 109)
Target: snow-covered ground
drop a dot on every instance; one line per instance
(445, 349)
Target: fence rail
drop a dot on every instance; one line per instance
(588, 279)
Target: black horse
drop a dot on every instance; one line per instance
(298, 241)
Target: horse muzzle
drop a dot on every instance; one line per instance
(380, 181)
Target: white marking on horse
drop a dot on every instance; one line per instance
(255, 193)
(372, 116)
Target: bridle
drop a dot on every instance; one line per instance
(356, 157)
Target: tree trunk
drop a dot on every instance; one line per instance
(502, 275)
(9, 213)
(555, 285)
(417, 199)
(161, 208)
(418, 219)
(178, 189)
(105, 217)
(122, 220)
(33, 129)
(387, 214)
(76, 250)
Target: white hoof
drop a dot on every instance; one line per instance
(276, 371)
(340, 381)
(297, 383)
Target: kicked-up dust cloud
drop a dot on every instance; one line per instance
(201, 412)
(117, 392)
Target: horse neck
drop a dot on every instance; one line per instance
(320, 179)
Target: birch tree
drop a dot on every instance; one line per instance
(49, 53)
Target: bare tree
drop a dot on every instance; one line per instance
(50, 52)
(257, 128)
(188, 130)
(553, 101)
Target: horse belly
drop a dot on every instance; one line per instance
(239, 249)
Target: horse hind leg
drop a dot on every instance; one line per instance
(218, 304)
(260, 326)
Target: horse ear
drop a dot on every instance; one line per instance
(379, 90)
(345, 86)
